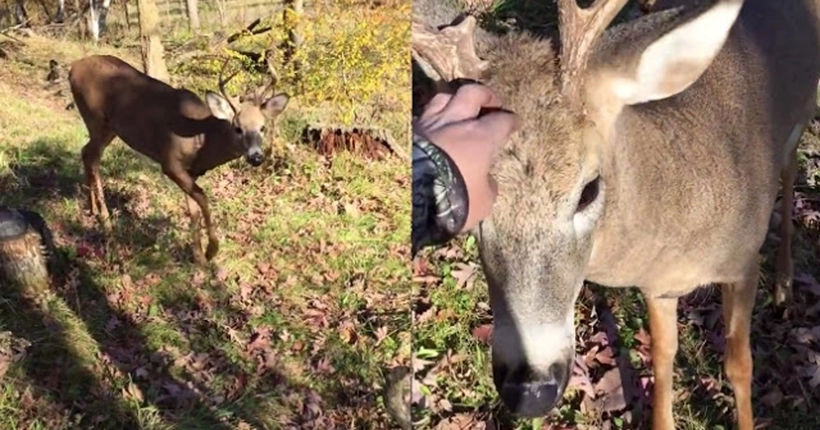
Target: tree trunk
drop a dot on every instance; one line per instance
(193, 14)
(25, 245)
(294, 14)
(60, 17)
(80, 27)
(153, 60)
(102, 14)
(20, 14)
(93, 21)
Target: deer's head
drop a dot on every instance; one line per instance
(552, 175)
(248, 116)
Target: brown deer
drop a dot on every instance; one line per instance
(173, 127)
(649, 156)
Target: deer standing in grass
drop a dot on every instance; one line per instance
(649, 156)
(173, 127)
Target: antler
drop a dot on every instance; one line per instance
(274, 79)
(222, 83)
(580, 29)
(449, 52)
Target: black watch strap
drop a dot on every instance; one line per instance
(440, 201)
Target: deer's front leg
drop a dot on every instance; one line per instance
(738, 303)
(196, 224)
(187, 182)
(664, 331)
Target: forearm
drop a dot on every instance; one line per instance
(440, 203)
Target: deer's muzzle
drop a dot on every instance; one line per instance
(527, 392)
(254, 154)
(256, 159)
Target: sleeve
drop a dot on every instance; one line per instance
(440, 204)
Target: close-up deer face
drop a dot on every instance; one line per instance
(249, 119)
(540, 242)
(536, 245)
(248, 122)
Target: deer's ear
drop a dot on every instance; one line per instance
(275, 105)
(676, 60)
(219, 107)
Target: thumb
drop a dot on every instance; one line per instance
(497, 126)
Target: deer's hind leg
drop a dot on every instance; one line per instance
(738, 303)
(100, 136)
(785, 267)
(92, 152)
(783, 291)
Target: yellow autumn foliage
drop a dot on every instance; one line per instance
(353, 61)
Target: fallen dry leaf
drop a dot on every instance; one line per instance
(610, 392)
(460, 422)
(772, 398)
(463, 274)
(484, 333)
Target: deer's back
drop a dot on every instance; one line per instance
(145, 113)
(695, 176)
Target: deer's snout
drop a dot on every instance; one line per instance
(528, 393)
(255, 159)
(253, 148)
(531, 363)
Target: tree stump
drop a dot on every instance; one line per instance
(25, 247)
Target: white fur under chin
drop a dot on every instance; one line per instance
(542, 345)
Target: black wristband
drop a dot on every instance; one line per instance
(440, 201)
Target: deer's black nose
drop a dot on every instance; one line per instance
(256, 159)
(530, 394)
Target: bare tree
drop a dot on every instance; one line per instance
(60, 17)
(102, 16)
(153, 60)
(193, 14)
(97, 14)
(93, 20)
(293, 16)
(20, 14)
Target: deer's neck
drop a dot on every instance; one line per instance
(216, 147)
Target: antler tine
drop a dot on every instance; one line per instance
(449, 52)
(274, 79)
(224, 81)
(579, 30)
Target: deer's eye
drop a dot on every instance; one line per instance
(589, 194)
(237, 130)
(262, 130)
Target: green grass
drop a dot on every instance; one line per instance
(297, 324)
(454, 380)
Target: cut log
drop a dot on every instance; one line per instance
(372, 143)
(25, 248)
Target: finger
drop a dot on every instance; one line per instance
(468, 102)
(497, 126)
(435, 105)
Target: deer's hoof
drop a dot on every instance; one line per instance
(213, 249)
(783, 294)
(199, 258)
(106, 225)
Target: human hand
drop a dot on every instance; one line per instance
(470, 127)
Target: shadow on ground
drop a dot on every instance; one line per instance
(90, 356)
